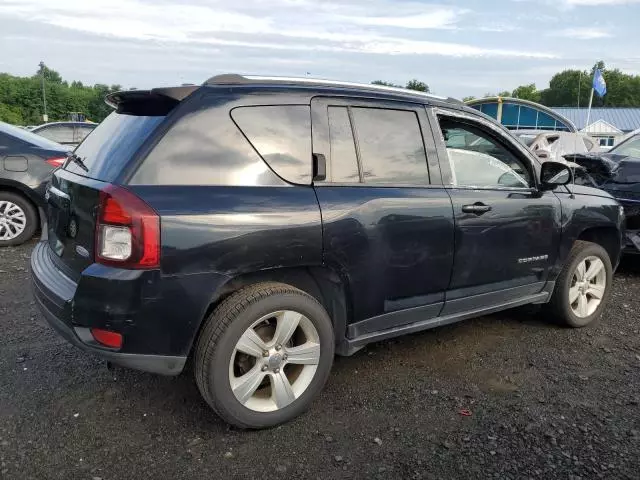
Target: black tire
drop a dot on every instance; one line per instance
(221, 333)
(559, 306)
(31, 217)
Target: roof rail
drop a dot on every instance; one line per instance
(235, 79)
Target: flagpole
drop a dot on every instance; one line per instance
(589, 110)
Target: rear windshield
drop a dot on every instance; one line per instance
(110, 146)
(30, 138)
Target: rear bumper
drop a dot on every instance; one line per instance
(54, 293)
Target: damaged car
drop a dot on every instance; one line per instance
(618, 173)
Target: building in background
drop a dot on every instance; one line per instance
(607, 125)
(517, 114)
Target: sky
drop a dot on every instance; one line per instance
(468, 47)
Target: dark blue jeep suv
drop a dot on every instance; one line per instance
(261, 225)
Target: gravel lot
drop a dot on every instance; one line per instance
(544, 402)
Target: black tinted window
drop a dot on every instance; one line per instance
(203, 147)
(343, 160)
(112, 144)
(282, 136)
(391, 147)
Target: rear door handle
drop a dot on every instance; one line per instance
(478, 208)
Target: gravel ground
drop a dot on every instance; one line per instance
(540, 402)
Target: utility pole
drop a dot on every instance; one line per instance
(45, 117)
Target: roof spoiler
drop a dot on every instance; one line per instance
(157, 101)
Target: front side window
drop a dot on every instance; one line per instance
(391, 146)
(478, 160)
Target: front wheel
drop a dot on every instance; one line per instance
(264, 354)
(583, 287)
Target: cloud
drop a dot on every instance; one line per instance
(440, 18)
(583, 33)
(576, 3)
(382, 27)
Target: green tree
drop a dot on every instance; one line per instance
(386, 84)
(21, 98)
(468, 99)
(417, 85)
(527, 92)
(49, 75)
(565, 88)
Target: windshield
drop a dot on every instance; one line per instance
(108, 148)
(30, 138)
(630, 148)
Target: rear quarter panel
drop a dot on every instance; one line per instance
(211, 234)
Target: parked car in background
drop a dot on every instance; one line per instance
(26, 163)
(65, 133)
(260, 225)
(618, 173)
(554, 145)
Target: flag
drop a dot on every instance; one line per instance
(599, 85)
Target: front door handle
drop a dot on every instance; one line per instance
(478, 208)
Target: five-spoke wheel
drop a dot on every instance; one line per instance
(583, 287)
(274, 361)
(264, 354)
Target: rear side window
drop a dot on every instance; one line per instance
(281, 134)
(342, 157)
(391, 146)
(112, 144)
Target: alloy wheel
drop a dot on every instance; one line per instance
(13, 220)
(588, 285)
(274, 361)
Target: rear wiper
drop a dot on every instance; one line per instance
(77, 160)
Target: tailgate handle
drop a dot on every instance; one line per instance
(319, 167)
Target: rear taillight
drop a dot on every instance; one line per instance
(56, 162)
(127, 230)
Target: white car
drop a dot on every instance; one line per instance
(554, 145)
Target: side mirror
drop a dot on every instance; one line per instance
(553, 174)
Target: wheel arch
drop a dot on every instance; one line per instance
(322, 283)
(608, 237)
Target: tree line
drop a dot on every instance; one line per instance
(21, 99)
(572, 88)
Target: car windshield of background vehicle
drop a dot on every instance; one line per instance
(630, 148)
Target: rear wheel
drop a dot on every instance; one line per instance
(18, 219)
(583, 287)
(264, 354)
